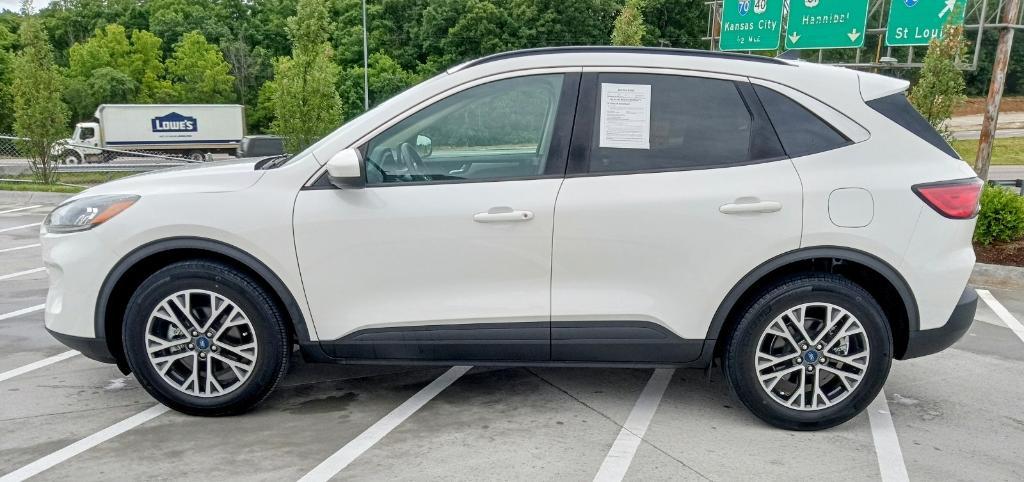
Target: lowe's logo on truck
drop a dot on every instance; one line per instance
(175, 122)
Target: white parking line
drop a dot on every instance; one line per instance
(21, 209)
(343, 457)
(36, 365)
(21, 273)
(19, 227)
(887, 444)
(1003, 313)
(23, 311)
(87, 443)
(16, 248)
(616, 463)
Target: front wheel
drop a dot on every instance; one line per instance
(810, 353)
(205, 339)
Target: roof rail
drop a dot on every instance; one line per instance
(616, 49)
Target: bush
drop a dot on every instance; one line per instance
(1001, 217)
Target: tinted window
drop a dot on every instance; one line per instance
(800, 131)
(694, 123)
(898, 109)
(498, 130)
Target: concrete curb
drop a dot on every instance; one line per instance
(33, 197)
(998, 276)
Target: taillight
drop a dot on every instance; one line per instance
(953, 199)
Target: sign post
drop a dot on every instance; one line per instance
(750, 24)
(916, 22)
(826, 24)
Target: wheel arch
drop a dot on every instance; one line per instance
(878, 277)
(133, 268)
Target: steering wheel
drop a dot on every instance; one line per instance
(411, 158)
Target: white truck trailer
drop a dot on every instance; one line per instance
(180, 130)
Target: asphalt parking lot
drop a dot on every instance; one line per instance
(953, 416)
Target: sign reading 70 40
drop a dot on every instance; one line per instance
(916, 22)
(750, 24)
(826, 24)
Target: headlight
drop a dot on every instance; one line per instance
(87, 212)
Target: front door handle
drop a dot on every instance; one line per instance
(503, 215)
(751, 207)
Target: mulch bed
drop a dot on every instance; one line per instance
(1011, 254)
(976, 105)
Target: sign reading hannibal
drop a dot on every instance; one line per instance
(742, 30)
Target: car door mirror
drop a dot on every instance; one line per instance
(345, 170)
(424, 146)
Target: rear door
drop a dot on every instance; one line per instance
(677, 187)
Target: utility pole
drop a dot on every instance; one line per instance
(995, 89)
(366, 66)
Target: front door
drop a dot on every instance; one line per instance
(446, 253)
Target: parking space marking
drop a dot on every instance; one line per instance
(16, 248)
(1003, 313)
(36, 365)
(87, 443)
(357, 446)
(616, 463)
(887, 443)
(23, 311)
(19, 227)
(21, 273)
(26, 208)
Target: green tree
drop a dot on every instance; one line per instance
(386, 78)
(199, 73)
(40, 115)
(940, 87)
(629, 25)
(138, 61)
(7, 40)
(306, 103)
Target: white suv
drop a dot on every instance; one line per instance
(594, 206)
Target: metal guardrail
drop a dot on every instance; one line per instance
(1017, 183)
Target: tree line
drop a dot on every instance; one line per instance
(308, 53)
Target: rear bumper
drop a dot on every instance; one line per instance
(94, 348)
(926, 342)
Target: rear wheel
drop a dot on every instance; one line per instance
(197, 156)
(810, 353)
(205, 339)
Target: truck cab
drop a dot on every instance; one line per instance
(83, 146)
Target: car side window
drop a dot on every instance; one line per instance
(802, 133)
(499, 130)
(694, 123)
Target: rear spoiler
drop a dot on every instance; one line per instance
(874, 86)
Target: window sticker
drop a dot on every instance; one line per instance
(625, 116)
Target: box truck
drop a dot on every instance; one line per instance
(179, 130)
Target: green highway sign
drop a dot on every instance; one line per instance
(915, 22)
(826, 24)
(750, 24)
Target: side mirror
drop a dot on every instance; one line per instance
(345, 170)
(424, 146)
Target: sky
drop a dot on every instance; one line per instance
(16, 4)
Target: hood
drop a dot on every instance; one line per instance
(210, 177)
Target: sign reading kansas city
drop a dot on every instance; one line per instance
(825, 24)
(916, 22)
(750, 24)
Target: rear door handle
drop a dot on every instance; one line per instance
(503, 215)
(751, 207)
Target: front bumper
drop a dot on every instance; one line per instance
(94, 348)
(927, 342)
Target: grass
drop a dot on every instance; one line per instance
(69, 182)
(1007, 150)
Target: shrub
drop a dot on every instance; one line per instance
(1001, 217)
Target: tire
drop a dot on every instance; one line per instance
(758, 350)
(254, 338)
(70, 157)
(197, 156)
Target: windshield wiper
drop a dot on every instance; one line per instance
(273, 161)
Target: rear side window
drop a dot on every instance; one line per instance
(802, 133)
(898, 109)
(694, 123)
